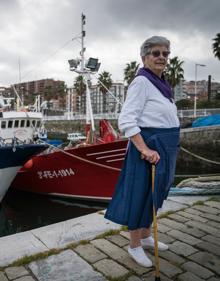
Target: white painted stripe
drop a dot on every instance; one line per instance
(107, 151)
(114, 160)
(109, 156)
(80, 196)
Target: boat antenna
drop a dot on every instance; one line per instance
(83, 34)
(19, 100)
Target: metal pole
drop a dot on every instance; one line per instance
(86, 76)
(195, 90)
(195, 95)
(89, 116)
(83, 17)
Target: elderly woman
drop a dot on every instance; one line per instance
(149, 119)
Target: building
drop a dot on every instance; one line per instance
(5, 91)
(101, 103)
(201, 89)
(107, 103)
(215, 90)
(47, 88)
(179, 93)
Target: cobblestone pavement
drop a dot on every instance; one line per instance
(193, 235)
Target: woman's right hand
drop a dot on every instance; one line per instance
(150, 155)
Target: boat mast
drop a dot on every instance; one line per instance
(85, 69)
(86, 75)
(83, 49)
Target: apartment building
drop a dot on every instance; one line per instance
(46, 88)
(101, 103)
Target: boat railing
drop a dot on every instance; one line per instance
(15, 141)
(81, 116)
(114, 115)
(199, 112)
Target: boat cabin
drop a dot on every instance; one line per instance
(19, 124)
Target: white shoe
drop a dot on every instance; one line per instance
(149, 243)
(139, 256)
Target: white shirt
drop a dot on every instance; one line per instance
(145, 106)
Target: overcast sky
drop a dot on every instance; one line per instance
(38, 33)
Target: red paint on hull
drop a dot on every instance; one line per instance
(65, 175)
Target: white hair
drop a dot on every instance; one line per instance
(151, 42)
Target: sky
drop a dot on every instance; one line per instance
(38, 37)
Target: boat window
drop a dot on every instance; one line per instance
(28, 123)
(33, 123)
(16, 123)
(10, 123)
(22, 123)
(38, 124)
(3, 124)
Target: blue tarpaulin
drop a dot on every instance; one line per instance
(212, 120)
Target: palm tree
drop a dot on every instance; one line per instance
(174, 72)
(130, 71)
(79, 85)
(104, 79)
(62, 91)
(48, 92)
(216, 46)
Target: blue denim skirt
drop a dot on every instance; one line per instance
(132, 201)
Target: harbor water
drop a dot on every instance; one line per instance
(22, 211)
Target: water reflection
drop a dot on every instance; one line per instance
(22, 211)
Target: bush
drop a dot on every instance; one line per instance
(184, 104)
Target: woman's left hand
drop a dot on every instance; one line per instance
(150, 155)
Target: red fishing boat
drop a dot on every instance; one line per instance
(87, 172)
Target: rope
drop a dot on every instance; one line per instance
(49, 57)
(116, 169)
(82, 159)
(199, 157)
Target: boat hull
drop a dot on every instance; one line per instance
(88, 172)
(6, 177)
(12, 158)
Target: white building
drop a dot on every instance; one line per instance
(179, 92)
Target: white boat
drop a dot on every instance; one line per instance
(20, 125)
(17, 146)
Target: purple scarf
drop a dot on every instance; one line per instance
(160, 83)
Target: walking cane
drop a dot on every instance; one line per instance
(157, 264)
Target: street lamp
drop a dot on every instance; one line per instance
(195, 93)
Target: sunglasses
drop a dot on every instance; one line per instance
(157, 53)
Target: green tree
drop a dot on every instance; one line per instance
(174, 72)
(184, 104)
(104, 79)
(216, 46)
(217, 97)
(62, 90)
(130, 71)
(48, 93)
(79, 85)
